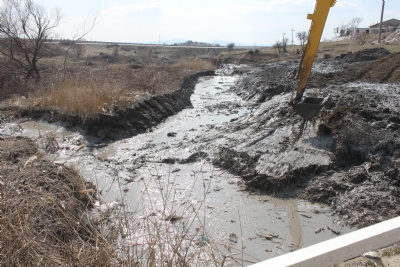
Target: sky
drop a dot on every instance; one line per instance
(251, 22)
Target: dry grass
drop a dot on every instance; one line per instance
(86, 92)
(80, 94)
(44, 212)
(90, 87)
(193, 64)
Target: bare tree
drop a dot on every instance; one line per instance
(79, 49)
(354, 22)
(230, 46)
(116, 52)
(345, 29)
(303, 37)
(284, 44)
(278, 45)
(24, 28)
(85, 29)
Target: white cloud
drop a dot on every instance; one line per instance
(347, 5)
(119, 9)
(238, 11)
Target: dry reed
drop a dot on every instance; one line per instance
(81, 94)
(44, 212)
(193, 64)
(87, 92)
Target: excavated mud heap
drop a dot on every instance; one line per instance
(370, 65)
(362, 181)
(365, 55)
(364, 187)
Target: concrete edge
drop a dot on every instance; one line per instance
(341, 248)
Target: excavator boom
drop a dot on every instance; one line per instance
(310, 107)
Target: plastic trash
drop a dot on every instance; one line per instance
(202, 240)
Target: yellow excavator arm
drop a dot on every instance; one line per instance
(318, 19)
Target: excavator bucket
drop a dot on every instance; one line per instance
(309, 107)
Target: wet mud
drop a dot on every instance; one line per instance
(346, 157)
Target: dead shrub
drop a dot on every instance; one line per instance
(353, 142)
(357, 135)
(51, 144)
(361, 39)
(149, 79)
(145, 54)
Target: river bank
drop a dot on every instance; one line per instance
(117, 123)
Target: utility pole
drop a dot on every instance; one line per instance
(292, 36)
(380, 26)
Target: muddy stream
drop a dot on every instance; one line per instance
(165, 175)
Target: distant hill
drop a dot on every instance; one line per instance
(168, 42)
(224, 43)
(220, 42)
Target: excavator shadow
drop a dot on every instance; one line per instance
(321, 142)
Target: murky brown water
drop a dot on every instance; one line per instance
(135, 171)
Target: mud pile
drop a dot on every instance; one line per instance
(261, 84)
(346, 157)
(365, 55)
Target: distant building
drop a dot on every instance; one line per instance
(362, 31)
(390, 25)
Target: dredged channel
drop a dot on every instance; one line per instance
(163, 170)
